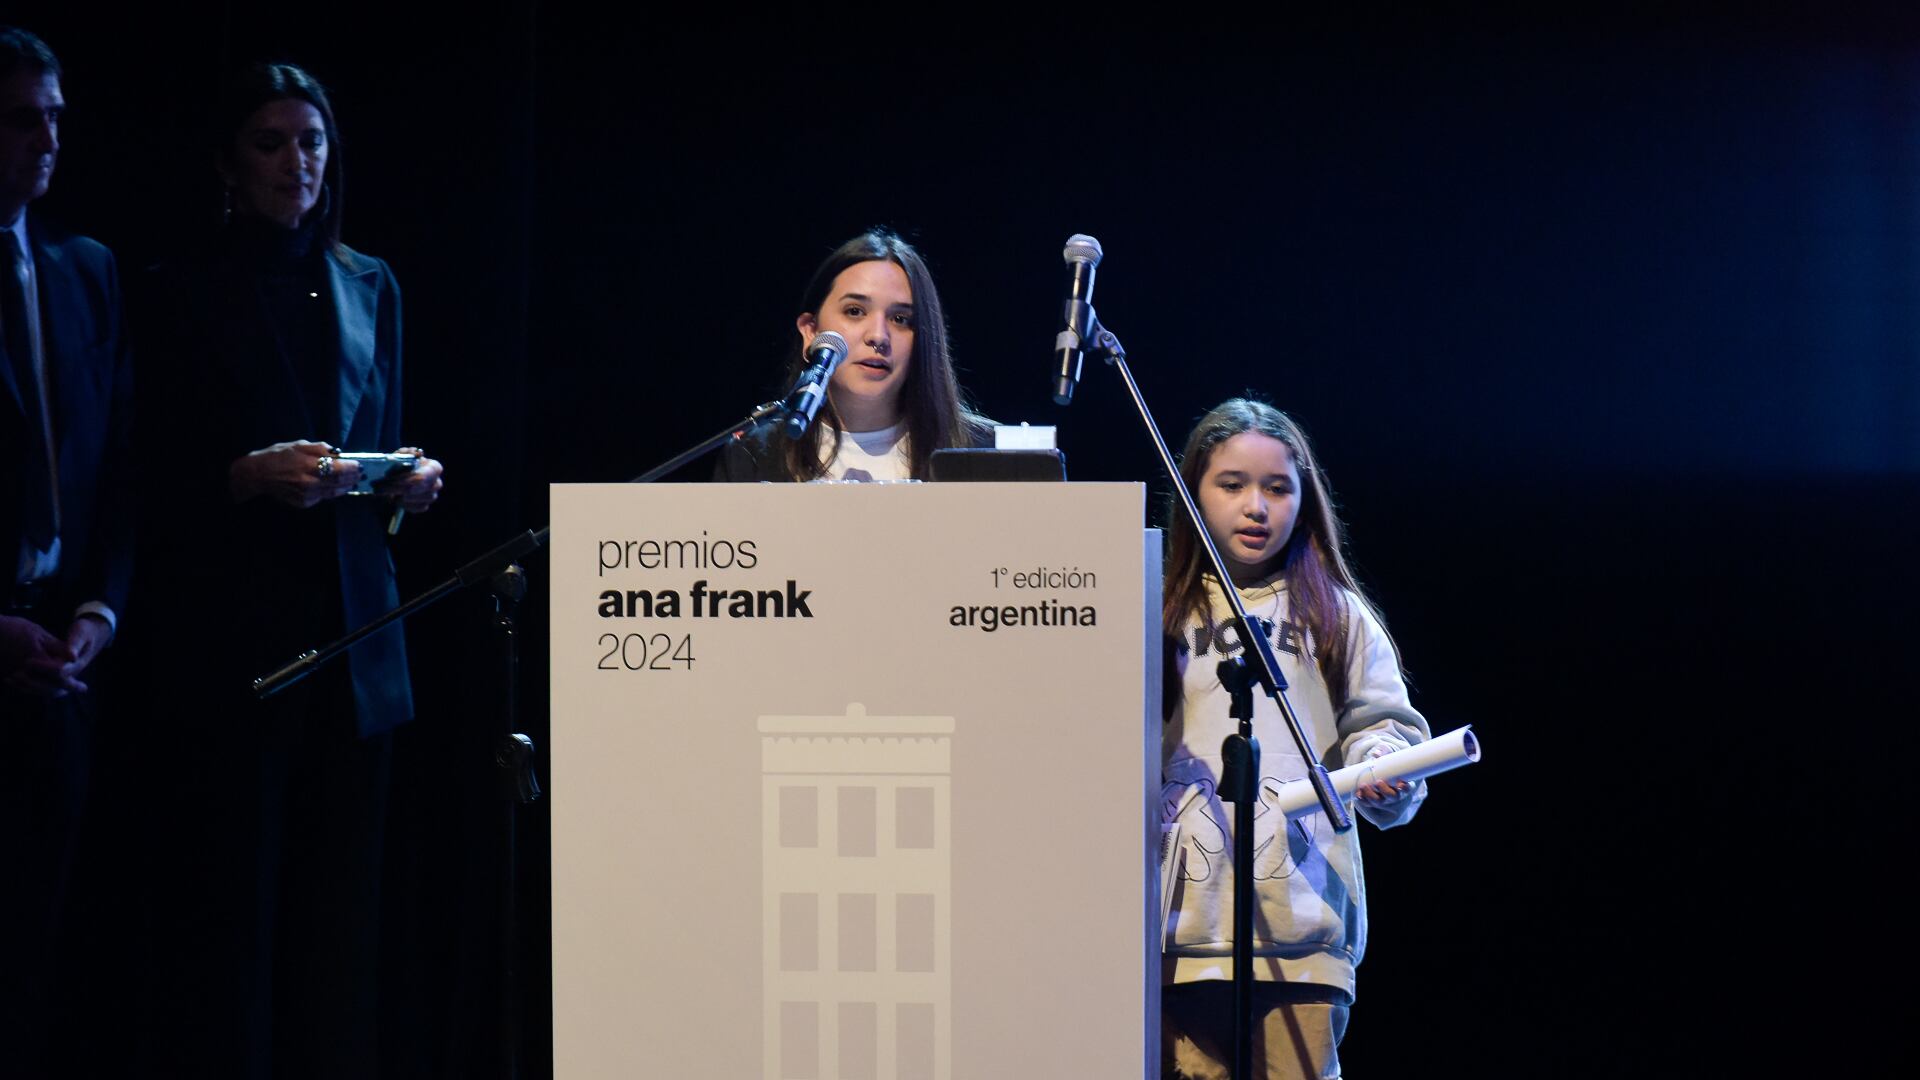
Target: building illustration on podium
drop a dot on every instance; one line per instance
(856, 872)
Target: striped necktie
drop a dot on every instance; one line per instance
(36, 492)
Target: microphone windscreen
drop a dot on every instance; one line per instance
(1082, 248)
(827, 341)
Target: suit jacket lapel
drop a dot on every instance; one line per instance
(356, 303)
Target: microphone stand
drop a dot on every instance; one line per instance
(514, 752)
(1240, 753)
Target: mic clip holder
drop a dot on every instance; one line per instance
(1096, 341)
(1101, 341)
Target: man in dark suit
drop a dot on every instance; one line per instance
(65, 531)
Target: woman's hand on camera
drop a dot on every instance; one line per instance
(300, 474)
(416, 491)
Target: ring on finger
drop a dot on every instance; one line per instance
(324, 467)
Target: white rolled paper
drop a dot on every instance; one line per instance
(1295, 798)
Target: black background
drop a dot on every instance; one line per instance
(1606, 334)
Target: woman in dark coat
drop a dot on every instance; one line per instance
(273, 350)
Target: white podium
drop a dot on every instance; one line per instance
(855, 781)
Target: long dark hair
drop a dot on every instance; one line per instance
(258, 84)
(936, 409)
(1320, 585)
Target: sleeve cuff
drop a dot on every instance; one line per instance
(100, 611)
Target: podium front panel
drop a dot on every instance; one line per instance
(854, 781)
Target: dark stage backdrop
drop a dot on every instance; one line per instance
(1607, 337)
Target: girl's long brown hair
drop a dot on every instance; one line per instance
(1320, 585)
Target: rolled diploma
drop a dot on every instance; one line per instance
(1295, 798)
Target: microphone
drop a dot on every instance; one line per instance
(810, 389)
(1082, 255)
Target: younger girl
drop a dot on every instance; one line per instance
(1267, 507)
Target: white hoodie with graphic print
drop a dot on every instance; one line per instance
(1311, 925)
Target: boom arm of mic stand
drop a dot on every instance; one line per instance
(1267, 666)
(708, 444)
(480, 569)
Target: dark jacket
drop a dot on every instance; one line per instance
(90, 379)
(283, 579)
